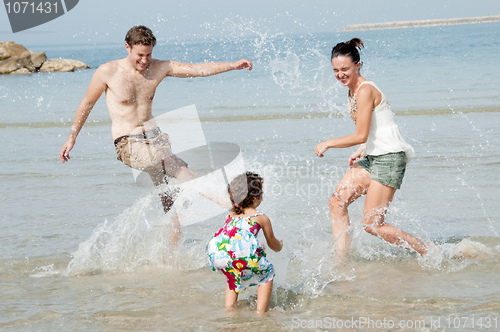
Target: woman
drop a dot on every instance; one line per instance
(377, 167)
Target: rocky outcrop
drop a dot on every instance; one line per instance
(62, 65)
(17, 59)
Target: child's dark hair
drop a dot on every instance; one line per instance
(243, 189)
(349, 49)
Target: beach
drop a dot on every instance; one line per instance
(85, 247)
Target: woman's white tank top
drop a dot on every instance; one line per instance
(384, 136)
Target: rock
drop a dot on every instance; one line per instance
(38, 58)
(14, 63)
(14, 57)
(64, 65)
(17, 59)
(10, 49)
(21, 71)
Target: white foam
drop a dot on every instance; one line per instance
(468, 249)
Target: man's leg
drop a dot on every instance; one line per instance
(159, 177)
(154, 157)
(186, 174)
(161, 156)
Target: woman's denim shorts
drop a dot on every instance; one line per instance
(388, 169)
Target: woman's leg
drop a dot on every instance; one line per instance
(354, 184)
(378, 198)
(263, 296)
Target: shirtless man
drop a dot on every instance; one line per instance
(130, 86)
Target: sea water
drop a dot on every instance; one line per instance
(85, 247)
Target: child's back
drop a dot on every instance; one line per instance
(234, 249)
(236, 252)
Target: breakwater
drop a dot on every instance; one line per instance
(421, 23)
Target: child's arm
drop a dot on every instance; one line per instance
(271, 240)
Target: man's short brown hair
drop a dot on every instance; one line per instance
(140, 35)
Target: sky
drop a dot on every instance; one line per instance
(107, 21)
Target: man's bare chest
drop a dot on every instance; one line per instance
(127, 89)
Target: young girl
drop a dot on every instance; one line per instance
(378, 165)
(235, 251)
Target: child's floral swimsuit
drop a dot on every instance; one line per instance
(235, 251)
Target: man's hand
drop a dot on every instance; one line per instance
(64, 154)
(243, 63)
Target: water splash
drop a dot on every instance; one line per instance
(143, 235)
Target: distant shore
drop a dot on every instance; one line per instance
(420, 24)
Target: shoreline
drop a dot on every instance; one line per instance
(420, 23)
(265, 117)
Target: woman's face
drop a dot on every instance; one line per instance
(345, 69)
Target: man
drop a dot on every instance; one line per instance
(130, 86)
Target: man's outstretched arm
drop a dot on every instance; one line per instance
(94, 92)
(178, 69)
